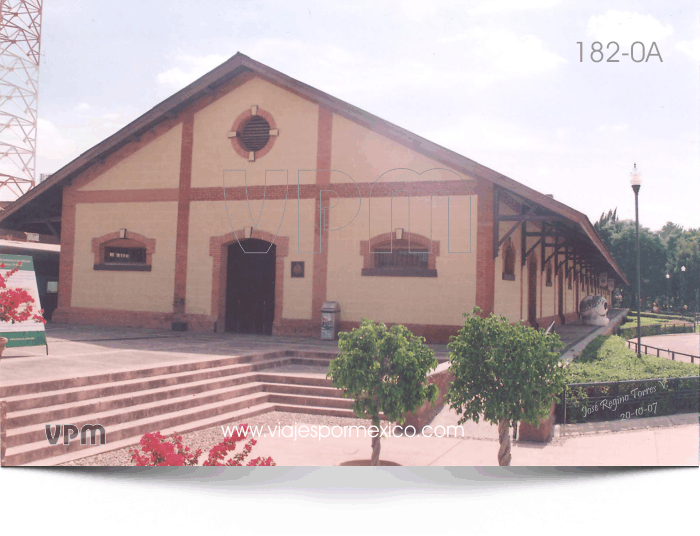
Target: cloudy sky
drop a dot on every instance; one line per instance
(500, 81)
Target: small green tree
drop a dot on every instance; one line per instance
(384, 370)
(504, 373)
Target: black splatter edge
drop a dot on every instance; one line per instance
(31, 500)
(638, 505)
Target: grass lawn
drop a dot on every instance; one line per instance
(607, 358)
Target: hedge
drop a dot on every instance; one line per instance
(607, 359)
(655, 329)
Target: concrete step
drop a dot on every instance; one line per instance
(228, 396)
(50, 408)
(118, 376)
(128, 404)
(234, 417)
(275, 377)
(296, 389)
(29, 451)
(319, 410)
(83, 393)
(180, 397)
(301, 399)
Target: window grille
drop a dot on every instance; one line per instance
(388, 259)
(255, 134)
(125, 255)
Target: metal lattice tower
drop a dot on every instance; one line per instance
(20, 47)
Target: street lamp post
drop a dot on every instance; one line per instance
(636, 182)
(682, 288)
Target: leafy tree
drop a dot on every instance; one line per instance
(503, 373)
(663, 252)
(620, 238)
(604, 226)
(384, 370)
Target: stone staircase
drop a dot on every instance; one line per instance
(177, 398)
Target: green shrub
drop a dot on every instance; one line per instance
(385, 371)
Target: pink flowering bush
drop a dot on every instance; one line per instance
(15, 303)
(159, 450)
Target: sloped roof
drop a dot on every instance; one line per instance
(241, 63)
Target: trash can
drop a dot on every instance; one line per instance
(330, 320)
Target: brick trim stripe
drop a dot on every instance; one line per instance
(183, 215)
(433, 333)
(319, 287)
(344, 190)
(127, 196)
(65, 272)
(485, 261)
(122, 317)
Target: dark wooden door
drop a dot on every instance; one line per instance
(532, 291)
(250, 287)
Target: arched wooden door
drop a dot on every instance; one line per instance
(250, 286)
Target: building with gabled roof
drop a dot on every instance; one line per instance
(248, 199)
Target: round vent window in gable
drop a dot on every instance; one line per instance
(255, 134)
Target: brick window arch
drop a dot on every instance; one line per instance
(412, 255)
(123, 251)
(508, 261)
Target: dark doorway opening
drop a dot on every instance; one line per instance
(532, 292)
(250, 286)
(560, 294)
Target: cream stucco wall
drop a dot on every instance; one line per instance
(295, 148)
(365, 155)
(133, 291)
(154, 165)
(437, 300)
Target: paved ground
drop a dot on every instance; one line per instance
(652, 447)
(686, 343)
(82, 350)
(85, 350)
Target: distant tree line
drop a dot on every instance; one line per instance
(666, 286)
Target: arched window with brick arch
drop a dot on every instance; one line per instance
(509, 261)
(400, 254)
(123, 251)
